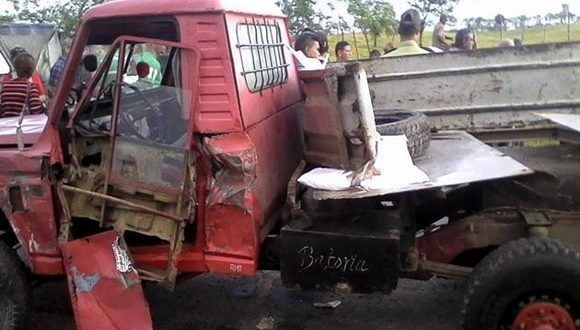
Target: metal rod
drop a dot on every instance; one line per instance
(500, 107)
(445, 270)
(472, 70)
(260, 45)
(256, 27)
(265, 69)
(122, 202)
(267, 57)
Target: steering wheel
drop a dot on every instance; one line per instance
(70, 100)
(153, 117)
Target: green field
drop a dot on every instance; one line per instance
(536, 35)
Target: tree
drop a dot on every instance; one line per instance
(538, 19)
(549, 18)
(480, 23)
(500, 22)
(373, 17)
(435, 8)
(567, 18)
(65, 15)
(300, 13)
(523, 21)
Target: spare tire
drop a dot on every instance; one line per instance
(413, 125)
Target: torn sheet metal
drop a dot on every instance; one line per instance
(231, 208)
(453, 158)
(568, 120)
(104, 287)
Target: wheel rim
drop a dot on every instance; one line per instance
(544, 316)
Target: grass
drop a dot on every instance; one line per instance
(535, 35)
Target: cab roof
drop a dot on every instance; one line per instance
(120, 8)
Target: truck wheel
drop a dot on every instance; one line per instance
(413, 124)
(526, 284)
(14, 290)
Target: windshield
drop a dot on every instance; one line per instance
(150, 96)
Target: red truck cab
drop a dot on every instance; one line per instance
(179, 162)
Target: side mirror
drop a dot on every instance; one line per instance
(90, 63)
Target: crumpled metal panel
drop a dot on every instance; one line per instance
(324, 139)
(454, 158)
(232, 212)
(104, 286)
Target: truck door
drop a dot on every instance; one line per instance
(131, 137)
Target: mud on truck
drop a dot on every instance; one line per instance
(196, 169)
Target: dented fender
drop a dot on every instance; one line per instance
(104, 287)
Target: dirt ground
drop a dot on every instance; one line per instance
(224, 302)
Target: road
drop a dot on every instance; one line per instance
(223, 302)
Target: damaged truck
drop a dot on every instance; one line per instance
(193, 165)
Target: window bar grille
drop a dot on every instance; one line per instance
(282, 56)
(257, 48)
(268, 49)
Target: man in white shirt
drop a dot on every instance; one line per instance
(439, 38)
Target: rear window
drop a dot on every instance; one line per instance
(264, 63)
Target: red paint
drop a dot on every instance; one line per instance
(176, 7)
(101, 295)
(216, 108)
(258, 106)
(544, 316)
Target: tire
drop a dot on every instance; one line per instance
(519, 276)
(413, 124)
(14, 290)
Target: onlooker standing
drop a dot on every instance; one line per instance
(409, 29)
(307, 35)
(311, 48)
(375, 53)
(35, 78)
(58, 68)
(439, 37)
(464, 40)
(342, 51)
(20, 92)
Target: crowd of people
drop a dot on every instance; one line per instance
(314, 44)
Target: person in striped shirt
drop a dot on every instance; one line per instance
(36, 79)
(20, 92)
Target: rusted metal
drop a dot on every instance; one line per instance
(450, 160)
(445, 270)
(476, 69)
(122, 202)
(104, 287)
(551, 135)
(487, 88)
(293, 186)
(491, 228)
(324, 139)
(66, 218)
